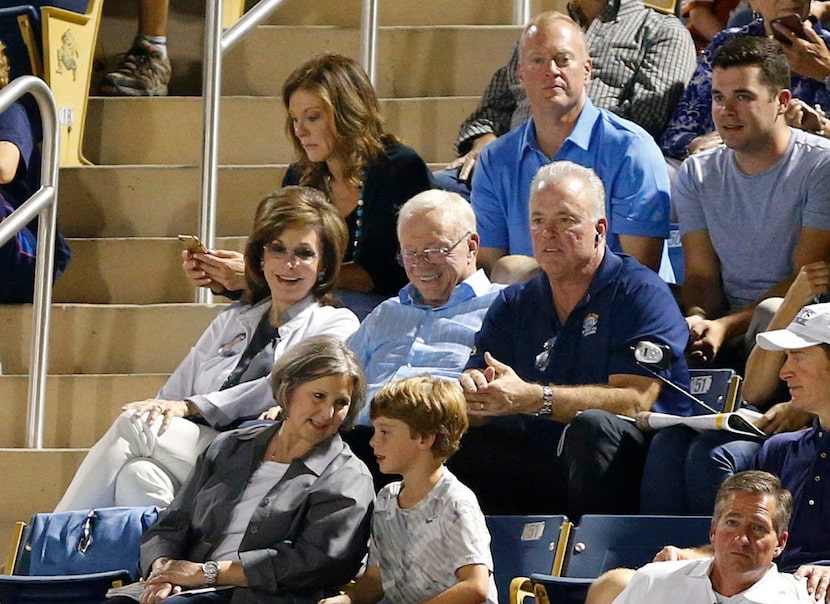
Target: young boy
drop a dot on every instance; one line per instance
(429, 540)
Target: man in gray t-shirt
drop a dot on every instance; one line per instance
(755, 209)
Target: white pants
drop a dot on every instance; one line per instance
(131, 465)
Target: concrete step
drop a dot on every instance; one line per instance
(79, 408)
(34, 481)
(128, 271)
(168, 130)
(113, 201)
(91, 338)
(412, 61)
(158, 201)
(397, 12)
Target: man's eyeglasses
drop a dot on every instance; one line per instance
(431, 255)
(277, 250)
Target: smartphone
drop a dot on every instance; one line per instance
(791, 22)
(193, 245)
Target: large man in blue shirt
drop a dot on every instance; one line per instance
(555, 351)
(554, 69)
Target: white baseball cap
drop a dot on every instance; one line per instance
(810, 327)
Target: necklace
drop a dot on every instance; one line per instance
(358, 225)
(272, 452)
(358, 211)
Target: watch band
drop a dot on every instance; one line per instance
(547, 402)
(211, 571)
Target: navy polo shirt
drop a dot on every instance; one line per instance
(16, 128)
(802, 461)
(625, 303)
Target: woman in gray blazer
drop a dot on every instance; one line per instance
(276, 513)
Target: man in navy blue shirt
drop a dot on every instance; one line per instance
(556, 352)
(800, 459)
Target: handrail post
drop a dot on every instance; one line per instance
(43, 204)
(369, 38)
(44, 269)
(211, 89)
(521, 12)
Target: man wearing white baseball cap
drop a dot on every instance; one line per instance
(811, 327)
(802, 459)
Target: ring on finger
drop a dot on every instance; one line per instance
(159, 409)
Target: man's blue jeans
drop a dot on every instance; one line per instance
(685, 468)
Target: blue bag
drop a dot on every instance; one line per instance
(81, 542)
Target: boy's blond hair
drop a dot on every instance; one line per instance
(429, 406)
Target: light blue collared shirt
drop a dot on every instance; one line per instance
(403, 336)
(622, 154)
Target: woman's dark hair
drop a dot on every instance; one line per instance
(351, 109)
(313, 358)
(295, 207)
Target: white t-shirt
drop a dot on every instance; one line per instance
(687, 582)
(418, 549)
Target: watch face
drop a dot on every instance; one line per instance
(211, 570)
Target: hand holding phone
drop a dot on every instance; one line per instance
(193, 245)
(791, 22)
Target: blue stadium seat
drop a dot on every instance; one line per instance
(55, 40)
(676, 253)
(604, 542)
(522, 545)
(718, 388)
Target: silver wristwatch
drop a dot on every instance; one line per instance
(211, 571)
(547, 402)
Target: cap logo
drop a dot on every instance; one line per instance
(802, 317)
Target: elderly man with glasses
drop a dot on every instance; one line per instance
(429, 327)
(553, 372)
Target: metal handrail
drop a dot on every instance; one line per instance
(44, 203)
(521, 12)
(217, 43)
(369, 38)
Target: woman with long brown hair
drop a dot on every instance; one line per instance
(342, 149)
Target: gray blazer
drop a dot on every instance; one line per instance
(306, 538)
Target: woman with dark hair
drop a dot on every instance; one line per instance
(279, 512)
(335, 125)
(291, 264)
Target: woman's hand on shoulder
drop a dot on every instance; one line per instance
(151, 409)
(272, 413)
(703, 142)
